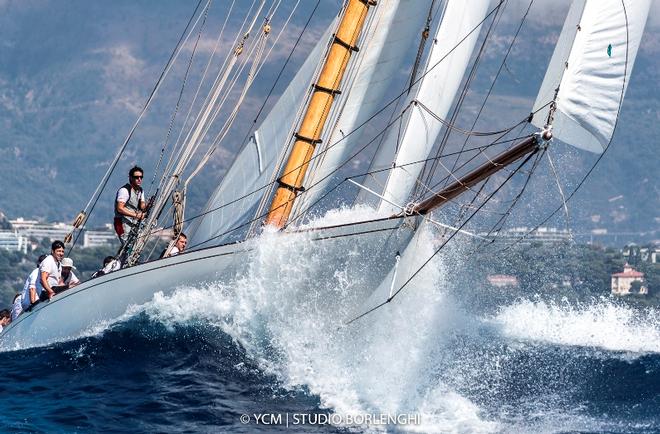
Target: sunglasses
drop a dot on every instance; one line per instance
(137, 177)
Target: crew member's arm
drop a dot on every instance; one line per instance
(46, 285)
(121, 209)
(74, 280)
(33, 294)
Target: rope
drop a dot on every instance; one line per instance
(178, 101)
(101, 186)
(195, 138)
(605, 149)
(561, 191)
(279, 75)
(405, 284)
(453, 127)
(462, 96)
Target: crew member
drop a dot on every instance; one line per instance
(30, 293)
(130, 206)
(50, 271)
(178, 247)
(68, 279)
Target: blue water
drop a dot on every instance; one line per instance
(142, 375)
(253, 353)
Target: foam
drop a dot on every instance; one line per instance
(602, 324)
(294, 329)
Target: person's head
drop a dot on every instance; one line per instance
(181, 242)
(67, 265)
(57, 250)
(18, 295)
(5, 317)
(135, 176)
(107, 260)
(40, 259)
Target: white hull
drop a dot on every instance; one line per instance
(94, 305)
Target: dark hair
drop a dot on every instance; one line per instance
(4, 313)
(181, 235)
(135, 169)
(56, 245)
(18, 294)
(107, 260)
(40, 259)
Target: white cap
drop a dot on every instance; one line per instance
(68, 262)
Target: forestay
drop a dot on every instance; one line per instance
(235, 199)
(590, 70)
(453, 44)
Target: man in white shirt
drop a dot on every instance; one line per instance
(50, 271)
(30, 293)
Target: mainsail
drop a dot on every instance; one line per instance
(590, 70)
(453, 44)
(397, 24)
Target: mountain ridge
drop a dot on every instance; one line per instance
(71, 87)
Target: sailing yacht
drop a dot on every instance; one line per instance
(292, 160)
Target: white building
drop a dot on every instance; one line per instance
(99, 238)
(523, 235)
(13, 241)
(33, 228)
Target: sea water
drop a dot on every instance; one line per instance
(269, 353)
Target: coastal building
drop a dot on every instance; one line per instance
(98, 238)
(38, 230)
(622, 282)
(23, 230)
(525, 235)
(634, 254)
(13, 241)
(502, 280)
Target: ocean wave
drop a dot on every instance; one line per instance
(602, 324)
(294, 329)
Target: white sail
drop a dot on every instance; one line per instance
(452, 48)
(234, 201)
(390, 38)
(591, 68)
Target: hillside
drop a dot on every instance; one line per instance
(73, 79)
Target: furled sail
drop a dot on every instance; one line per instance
(391, 36)
(235, 199)
(590, 70)
(453, 44)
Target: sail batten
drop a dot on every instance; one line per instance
(589, 71)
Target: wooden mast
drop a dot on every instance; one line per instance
(527, 146)
(311, 128)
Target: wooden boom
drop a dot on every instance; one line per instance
(494, 165)
(311, 128)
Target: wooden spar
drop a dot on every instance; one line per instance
(494, 165)
(323, 95)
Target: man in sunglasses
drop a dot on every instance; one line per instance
(130, 206)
